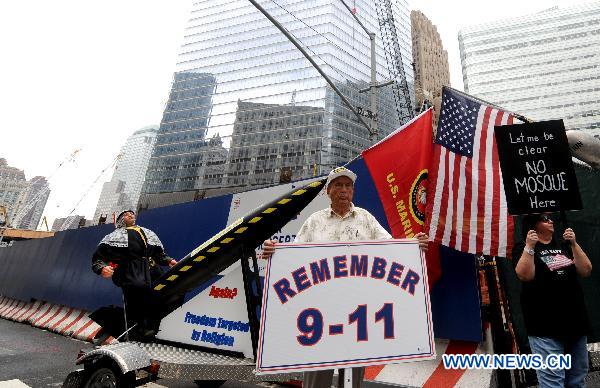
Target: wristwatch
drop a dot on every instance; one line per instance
(531, 251)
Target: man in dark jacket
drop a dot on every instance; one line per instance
(131, 256)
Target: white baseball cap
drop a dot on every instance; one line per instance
(338, 172)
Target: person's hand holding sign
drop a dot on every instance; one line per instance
(268, 249)
(531, 239)
(423, 241)
(569, 235)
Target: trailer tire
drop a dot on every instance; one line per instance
(105, 377)
(75, 379)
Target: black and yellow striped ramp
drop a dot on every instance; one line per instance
(243, 235)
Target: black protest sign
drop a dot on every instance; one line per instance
(537, 169)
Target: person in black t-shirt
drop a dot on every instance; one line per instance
(131, 256)
(552, 298)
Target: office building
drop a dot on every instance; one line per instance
(13, 189)
(244, 62)
(182, 152)
(37, 196)
(124, 188)
(24, 201)
(430, 63)
(71, 222)
(270, 141)
(544, 66)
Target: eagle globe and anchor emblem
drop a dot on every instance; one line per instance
(418, 197)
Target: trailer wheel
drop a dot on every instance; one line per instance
(102, 378)
(105, 377)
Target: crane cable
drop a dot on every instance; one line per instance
(112, 164)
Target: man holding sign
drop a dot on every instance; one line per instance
(342, 221)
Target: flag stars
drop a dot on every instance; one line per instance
(460, 120)
(457, 125)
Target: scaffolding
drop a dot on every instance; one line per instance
(393, 56)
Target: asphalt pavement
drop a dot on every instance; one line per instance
(37, 358)
(31, 357)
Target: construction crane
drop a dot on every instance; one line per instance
(393, 56)
(112, 164)
(45, 222)
(25, 208)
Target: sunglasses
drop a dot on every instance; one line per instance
(546, 218)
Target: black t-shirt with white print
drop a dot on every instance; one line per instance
(552, 303)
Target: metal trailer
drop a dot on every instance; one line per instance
(132, 363)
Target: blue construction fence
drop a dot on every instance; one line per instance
(58, 269)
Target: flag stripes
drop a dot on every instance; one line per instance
(467, 208)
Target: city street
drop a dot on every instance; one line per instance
(31, 357)
(36, 357)
(289, 193)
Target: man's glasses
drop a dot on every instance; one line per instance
(546, 218)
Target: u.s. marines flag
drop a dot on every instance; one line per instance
(398, 166)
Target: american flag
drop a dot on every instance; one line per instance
(466, 205)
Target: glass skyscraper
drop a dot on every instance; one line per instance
(24, 201)
(182, 156)
(544, 65)
(38, 191)
(255, 68)
(123, 190)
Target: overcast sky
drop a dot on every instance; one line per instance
(85, 75)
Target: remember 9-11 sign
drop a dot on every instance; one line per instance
(340, 305)
(537, 170)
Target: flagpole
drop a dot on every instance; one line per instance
(388, 136)
(516, 115)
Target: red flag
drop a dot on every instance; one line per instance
(466, 206)
(399, 168)
(398, 165)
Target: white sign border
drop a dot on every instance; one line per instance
(347, 363)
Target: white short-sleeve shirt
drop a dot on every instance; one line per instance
(326, 225)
